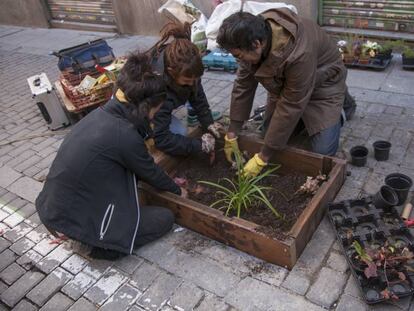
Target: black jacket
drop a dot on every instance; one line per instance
(90, 193)
(177, 96)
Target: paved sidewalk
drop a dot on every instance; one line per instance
(182, 271)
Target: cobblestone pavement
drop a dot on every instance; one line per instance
(183, 270)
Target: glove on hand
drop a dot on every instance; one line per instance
(207, 143)
(215, 128)
(254, 166)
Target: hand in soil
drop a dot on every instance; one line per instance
(181, 182)
(198, 189)
(207, 143)
(215, 129)
(212, 158)
(184, 193)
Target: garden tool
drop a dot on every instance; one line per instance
(405, 215)
(409, 222)
(258, 114)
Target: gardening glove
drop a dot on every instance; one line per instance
(215, 128)
(207, 143)
(254, 166)
(230, 147)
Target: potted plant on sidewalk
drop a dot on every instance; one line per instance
(408, 57)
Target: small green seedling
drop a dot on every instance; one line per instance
(243, 191)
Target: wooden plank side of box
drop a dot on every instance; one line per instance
(238, 233)
(311, 217)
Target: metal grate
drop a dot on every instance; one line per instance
(366, 14)
(93, 12)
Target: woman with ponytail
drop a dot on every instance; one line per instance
(179, 60)
(90, 194)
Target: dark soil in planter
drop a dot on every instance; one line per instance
(198, 169)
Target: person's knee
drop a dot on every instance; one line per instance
(165, 219)
(169, 219)
(326, 148)
(327, 142)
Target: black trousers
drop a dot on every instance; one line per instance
(154, 222)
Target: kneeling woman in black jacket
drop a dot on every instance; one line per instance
(90, 194)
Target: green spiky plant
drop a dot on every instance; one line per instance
(243, 191)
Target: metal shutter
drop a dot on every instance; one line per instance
(80, 11)
(366, 14)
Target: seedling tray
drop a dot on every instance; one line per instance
(410, 67)
(374, 63)
(245, 235)
(359, 220)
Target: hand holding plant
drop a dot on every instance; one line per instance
(243, 191)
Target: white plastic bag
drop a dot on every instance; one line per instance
(198, 33)
(224, 10)
(181, 10)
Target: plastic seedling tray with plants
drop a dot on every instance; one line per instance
(378, 247)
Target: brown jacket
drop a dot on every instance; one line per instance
(305, 78)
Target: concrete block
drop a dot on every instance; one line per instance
(22, 246)
(49, 286)
(122, 299)
(59, 302)
(54, 258)
(186, 297)
(105, 287)
(159, 292)
(82, 305)
(20, 288)
(297, 282)
(75, 264)
(45, 246)
(6, 258)
(128, 264)
(252, 295)
(17, 232)
(11, 273)
(349, 303)
(144, 276)
(212, 302)
(337, 262)
(27, 188)
(24, 305)
(327, 288)
(78, 285)
(29, 259)
(8, 176)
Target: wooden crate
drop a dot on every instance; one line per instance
(242, 234)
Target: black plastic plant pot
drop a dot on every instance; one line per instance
(385, 198)
(382, 150)
(359, 155)
(409, 61)
(401, 184)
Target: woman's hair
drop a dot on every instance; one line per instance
(182, 57)
(142, 88)
(240, 30)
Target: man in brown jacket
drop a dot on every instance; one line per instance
(302, 70)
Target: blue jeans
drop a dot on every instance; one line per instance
(327, 141)
(177, 127)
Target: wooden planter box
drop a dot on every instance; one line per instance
(242, 234)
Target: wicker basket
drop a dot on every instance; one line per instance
(98, 96)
